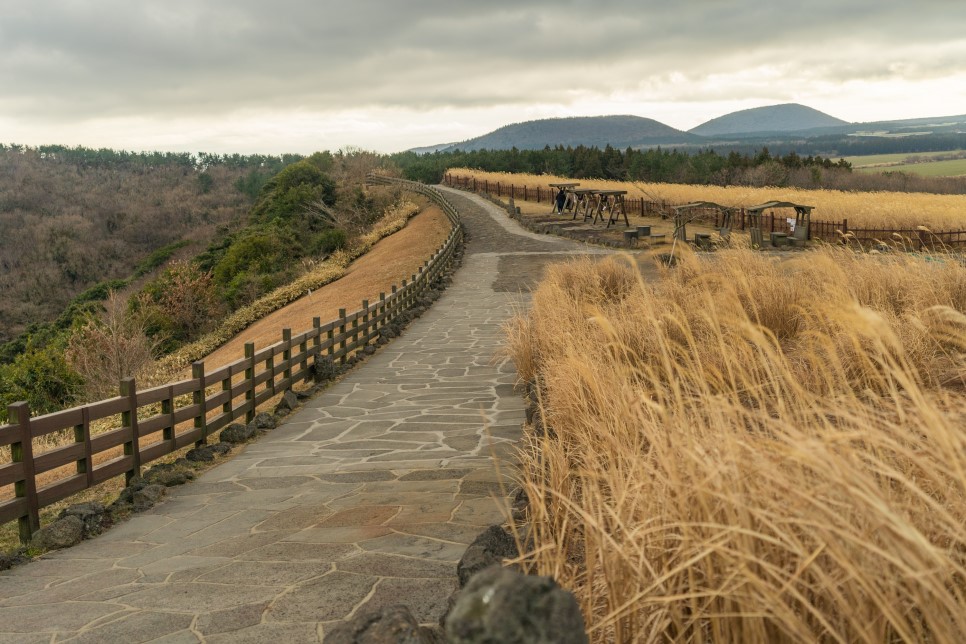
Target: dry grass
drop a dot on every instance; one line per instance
(862, 209)
(750, 451)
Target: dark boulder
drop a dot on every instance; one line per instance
(62, 533)
(387, 625)
(500, 605)
(490, 547)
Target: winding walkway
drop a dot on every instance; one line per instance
(367, 495)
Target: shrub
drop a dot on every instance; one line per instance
(179, 305)
(286, 195)
(41, 377)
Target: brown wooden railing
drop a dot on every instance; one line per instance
(154, 422)
(829, 231)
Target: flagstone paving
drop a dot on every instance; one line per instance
(366, 496)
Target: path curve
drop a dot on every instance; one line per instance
(366, 496)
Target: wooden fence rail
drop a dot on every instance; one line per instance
(151, 423)
(829, 231)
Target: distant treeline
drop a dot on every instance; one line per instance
(105, 157)
(838, 145)
(704, 167)
(657, 164)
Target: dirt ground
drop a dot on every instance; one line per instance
(396, 257)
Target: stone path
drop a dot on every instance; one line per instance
(368, 495)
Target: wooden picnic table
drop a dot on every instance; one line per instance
(584, 197)
(611, 201)
(569, 202)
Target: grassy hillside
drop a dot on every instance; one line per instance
(74, 219)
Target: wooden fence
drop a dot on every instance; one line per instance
(151, 423)
(829, 231)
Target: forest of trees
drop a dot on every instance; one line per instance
(706, 167)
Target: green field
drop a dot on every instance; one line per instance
(900, 163)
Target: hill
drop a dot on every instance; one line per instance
(599, 131)
(789, 117)
(75, 218)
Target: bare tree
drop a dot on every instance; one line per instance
(110, 348)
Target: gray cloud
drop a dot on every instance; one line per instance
(76, 59)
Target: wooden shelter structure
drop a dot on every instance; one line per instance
(682, 212)
(799, 228)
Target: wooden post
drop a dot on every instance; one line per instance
(129, 419)
(304, 352)
(270, 368)
(199, 397)
(342, 357)
(365, 316)
(23, 452)
(227, 405)
(382, 311)
(250, 381)
(286, 356)
(82, 434)
(167, 407)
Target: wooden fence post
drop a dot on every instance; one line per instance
(250, 381)
(287, 355)
(167, 407)
(23, 452)
(304, 352)
(382, 311)
(129, 419)
(342, 350)
(199, 397)
(82, 434)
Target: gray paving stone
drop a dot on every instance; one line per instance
(293, 551)
(269, 634)
(231, 619)
(324, 599)
(50, 618)
(414, 546)
(197, 597)
(263, 573)
(390, 565)
(140, 626)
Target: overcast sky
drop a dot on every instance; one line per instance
(278, 76)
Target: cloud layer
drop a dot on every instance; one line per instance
(66, 62)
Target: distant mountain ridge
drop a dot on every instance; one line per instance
(785, 118)
(599, 131)
(788, 124)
